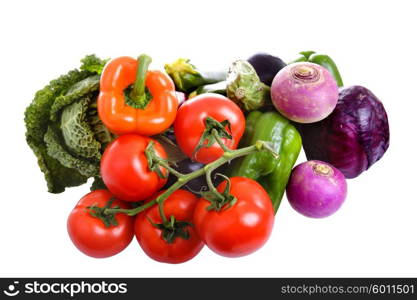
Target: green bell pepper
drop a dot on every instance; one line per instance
(322, 60)
(272, 173)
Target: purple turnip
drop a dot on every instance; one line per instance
(304, 92)
(316, 189)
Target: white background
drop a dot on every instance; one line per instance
(373, 43)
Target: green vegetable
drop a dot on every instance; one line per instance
(93, 64)
(322, 60)
(76, 131)
(218, 88)
(63, 128)
(56, 149)
(242, 86)
(188, 78)
(245, 88)
(271, 173)
(98, 184)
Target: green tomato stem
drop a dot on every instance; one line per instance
(211, 186)
(184, 178)
(170, 169)
(130, 212)
(219, 140)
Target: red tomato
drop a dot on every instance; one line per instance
(240, 229)
(189, 125)
(181, 205)
(90, 235)
(124, 168)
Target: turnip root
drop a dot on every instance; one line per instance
(304, 92)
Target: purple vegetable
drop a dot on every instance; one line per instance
(304, 92)
(353, 137)
(316, 189)
(187, 166)
(266, 66)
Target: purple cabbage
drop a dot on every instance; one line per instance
(353, 137)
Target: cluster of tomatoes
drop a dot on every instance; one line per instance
(102, 223)
(234, 231)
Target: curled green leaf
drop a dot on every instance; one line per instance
(93, 64)
(76, 131)
(65, 165)
(56, 150)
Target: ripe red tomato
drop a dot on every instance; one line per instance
(240, 229)
(189, 125)
(181, 205)
(124, 168)
(90, 235)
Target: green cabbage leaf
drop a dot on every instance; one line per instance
(63, 129)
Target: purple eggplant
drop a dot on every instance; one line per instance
(266, 66)
(187, 166)
(353, 137)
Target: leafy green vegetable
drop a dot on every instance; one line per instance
(57, 176)
(55, 149)
(76, 131)
(58, 129)
(98, 184)
(93, 64)
(78, 90)
(101, 133)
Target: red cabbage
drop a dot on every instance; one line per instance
(353, 137)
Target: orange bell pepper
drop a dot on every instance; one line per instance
(135, 100)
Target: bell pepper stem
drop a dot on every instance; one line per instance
(307, 54)
(138, 94)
